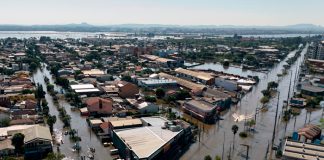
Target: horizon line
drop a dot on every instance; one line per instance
(181, 25)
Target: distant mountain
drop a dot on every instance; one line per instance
(305, 27)
(164, 29)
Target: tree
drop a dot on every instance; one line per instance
(62, 82)
(235, 128)
(217, 157)
(4, 122)
(160, 93)
(50, 87)
(251, 123)
(18, 141)
(226, 63)
(127, 78)
(33, 66)
(272, 85)
(150, 98)
(208, 157)
(51, 121)
(27, 91)
(54, 156)
(311, 103)
(264, 100)
(39, 93)
(46, 80)
(182, 95)
(266, 93)
(66, 120)
(45, 107)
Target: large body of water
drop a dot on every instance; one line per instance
(111, 35)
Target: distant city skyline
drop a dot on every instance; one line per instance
(171, 12)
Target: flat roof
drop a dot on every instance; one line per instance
(198, 74)
(300, 150)
(315, 60)
(200, 104)
(312, 88)
(93, 72)
(95, 121)
(87, 90)
(126, 122)
(145, 141)
(82, 86)
(159, 81)
(183, 82)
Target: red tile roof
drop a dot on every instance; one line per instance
(93, 105)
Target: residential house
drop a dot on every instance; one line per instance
(99, 107)
(127, 89)
(37, 141)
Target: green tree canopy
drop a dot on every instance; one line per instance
(18, 141)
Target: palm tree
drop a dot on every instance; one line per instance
(18, 141)
(51, 121)
(235, 128)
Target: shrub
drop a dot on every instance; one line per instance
(243, 134)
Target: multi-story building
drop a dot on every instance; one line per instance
(201, 110)
(316, 51)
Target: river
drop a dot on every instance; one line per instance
(89, 139)
(213, 136)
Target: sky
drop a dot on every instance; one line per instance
(180, 12)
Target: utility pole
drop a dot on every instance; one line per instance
(289, 91)
(275, 125)
(247, 150)
(223, 146)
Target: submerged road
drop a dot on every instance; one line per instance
(213, 136)
(89, 139)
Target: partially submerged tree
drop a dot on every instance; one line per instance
(18, 141)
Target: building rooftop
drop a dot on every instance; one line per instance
(126, 122)
(82, 86)
(201, 75)
(95, 121)
(200, 104)
(93, 72)
(298, 150)
(312, 88)
(158, 81)
(145, 141)
(7, 131)
(315, 60)
(30, 131)
(87, 90)
(183, 82)
(37, 131)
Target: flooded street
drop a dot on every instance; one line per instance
(89, 139)
(213, 136)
